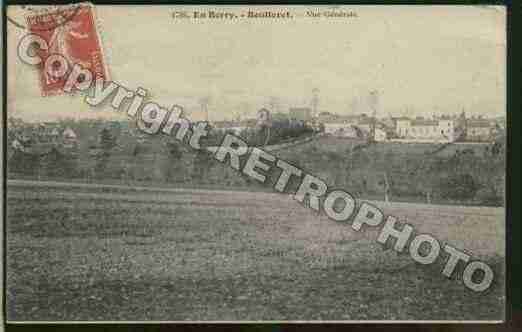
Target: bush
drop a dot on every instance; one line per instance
(460, 187)
(488, 197)
(24, 163)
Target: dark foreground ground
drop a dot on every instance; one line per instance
(98, 253)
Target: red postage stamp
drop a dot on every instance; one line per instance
(71, 33)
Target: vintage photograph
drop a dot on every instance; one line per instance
(255, 163)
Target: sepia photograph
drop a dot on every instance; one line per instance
(255, 163)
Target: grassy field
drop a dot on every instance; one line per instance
(101, 253)
(342, 145)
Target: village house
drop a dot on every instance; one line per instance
(479, 130)
(341, 129)
(234, 126)
(355, 126)
(340, 125)
(365, 124)
(380, 135)
(427, 129)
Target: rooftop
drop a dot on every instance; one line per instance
(478, 123)
(424, 122)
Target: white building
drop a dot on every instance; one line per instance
(70, 139)
(427, 130)
(479, 130)
(380, 135)
(341, 129)
(235, 126)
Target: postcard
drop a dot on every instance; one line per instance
(255, 163)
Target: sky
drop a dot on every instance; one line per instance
(421, 60)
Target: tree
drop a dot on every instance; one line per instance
(459, 187)
(493, 178)
(174, 166)
(202, 165)
(53, 163)
(24, 163)
(107, 141)
(428, 179)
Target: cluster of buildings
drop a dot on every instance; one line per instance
(24, 136)
(418, 129)
(27, 137)
(405, 129)
(443, 128)
(236, 126)
(401, 129)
